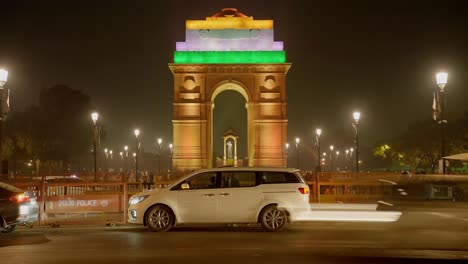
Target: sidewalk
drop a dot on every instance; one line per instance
(426, 205)
(65, 225)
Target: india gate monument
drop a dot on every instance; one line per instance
(229, 51)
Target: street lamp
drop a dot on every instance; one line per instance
(4, 108)
(137, 150)
(121, 160)
(170, 154)
(318, 132)
(298, 140)
(126, 158)
(441, 78)
(135, 158)
(346, 159)
(3, 77)
(338, 160)
(95, 117)
(286, 146)
(159, 155)
(331, 157)
(357, 116)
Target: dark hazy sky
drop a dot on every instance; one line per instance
(378, 57)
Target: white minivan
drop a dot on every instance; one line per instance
(269, 196)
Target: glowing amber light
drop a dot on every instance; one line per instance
(229, 23)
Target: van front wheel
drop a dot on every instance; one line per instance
(159, 218)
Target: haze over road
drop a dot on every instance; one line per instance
(418, 237)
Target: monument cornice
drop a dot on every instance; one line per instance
(230, 68)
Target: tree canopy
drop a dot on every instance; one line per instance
(57, 131)
(420, 146)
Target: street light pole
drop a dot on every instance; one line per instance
(287, 154)
(106, 163)
(121, 160)
(357, 116)
(331, 157)
(126, 158)
(298, 140)
(136, 162)
(95, 117)
(346, 159)
(4, 108)
(137, 152)
(111, 159)
(170, 155)
(159, 156)
(318, 132)
(441, 78)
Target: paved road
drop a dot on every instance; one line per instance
(437, 236)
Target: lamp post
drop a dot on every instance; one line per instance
(346, 159)
(4, 108)
(441, 78)
(338, 160)
(137, 151)
(286, 146)
(318, 132)
(121, 160)
(159, 155)
(135, 158)
(126, 158)
(95, 117)
(357, 116)
(170, 155)
(331, 157)
(106, 152)
(298, 140)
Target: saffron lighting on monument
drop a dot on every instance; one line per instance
(229, 39)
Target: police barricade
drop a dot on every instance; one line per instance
(75, 203)
(349, 192)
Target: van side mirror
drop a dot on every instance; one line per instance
(185, 186)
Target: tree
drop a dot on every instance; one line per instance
(419, 146)
(57, 132)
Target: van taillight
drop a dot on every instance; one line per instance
(20, 198)
(303, 190)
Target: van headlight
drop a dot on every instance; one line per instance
(137, 199)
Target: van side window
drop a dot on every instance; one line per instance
(268, 177)
(205, 180)
(235, 179)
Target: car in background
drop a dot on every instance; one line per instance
(17, 207)
(272, 197)
(60, 179)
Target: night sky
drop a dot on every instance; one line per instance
(378, 57)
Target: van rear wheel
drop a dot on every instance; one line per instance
(273, 219)
(8, 228)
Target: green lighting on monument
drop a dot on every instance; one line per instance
(229, 57)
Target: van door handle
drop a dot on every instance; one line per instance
(209, 194)
(224, 194)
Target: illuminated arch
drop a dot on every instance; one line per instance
(231, 86)
(229, 51)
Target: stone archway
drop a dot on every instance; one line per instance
(199, 76)
(229, 85)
